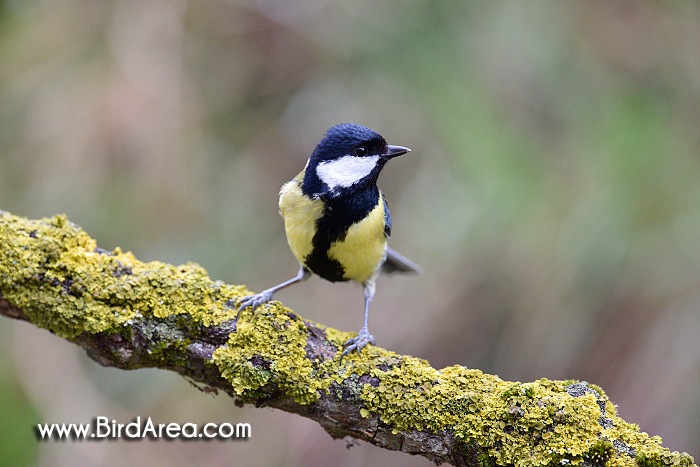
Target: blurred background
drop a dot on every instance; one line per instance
(552, 195)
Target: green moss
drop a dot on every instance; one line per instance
(170, 352)
(600, 452)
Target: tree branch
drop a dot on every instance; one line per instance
(129, 314)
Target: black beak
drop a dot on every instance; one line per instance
(393, 151)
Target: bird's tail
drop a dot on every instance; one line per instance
(395, 262)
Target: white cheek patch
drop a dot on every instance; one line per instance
(345, 171)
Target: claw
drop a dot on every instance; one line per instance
(252, 301)
(255, 301)
(357, 343)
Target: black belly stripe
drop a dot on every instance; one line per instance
(330, 269)
(340, 213)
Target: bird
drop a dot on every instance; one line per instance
(337, 220)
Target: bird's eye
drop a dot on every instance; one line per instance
(361, 151)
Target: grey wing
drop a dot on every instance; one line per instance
(394, 262)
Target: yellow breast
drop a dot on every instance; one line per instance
(363, 247)
(300, 215)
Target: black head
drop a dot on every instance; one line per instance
(349, 156)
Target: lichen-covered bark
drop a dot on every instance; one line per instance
(131, 314)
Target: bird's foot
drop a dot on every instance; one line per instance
(357, 343)
(253, 301)
(256, 300)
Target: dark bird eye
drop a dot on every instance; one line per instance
(361, 151)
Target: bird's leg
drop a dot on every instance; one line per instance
(363, 337)
(265, 296)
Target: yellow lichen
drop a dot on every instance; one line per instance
(271, 350)
(56, 274)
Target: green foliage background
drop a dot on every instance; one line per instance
(552, 195)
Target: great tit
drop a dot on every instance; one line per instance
(336, 219)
